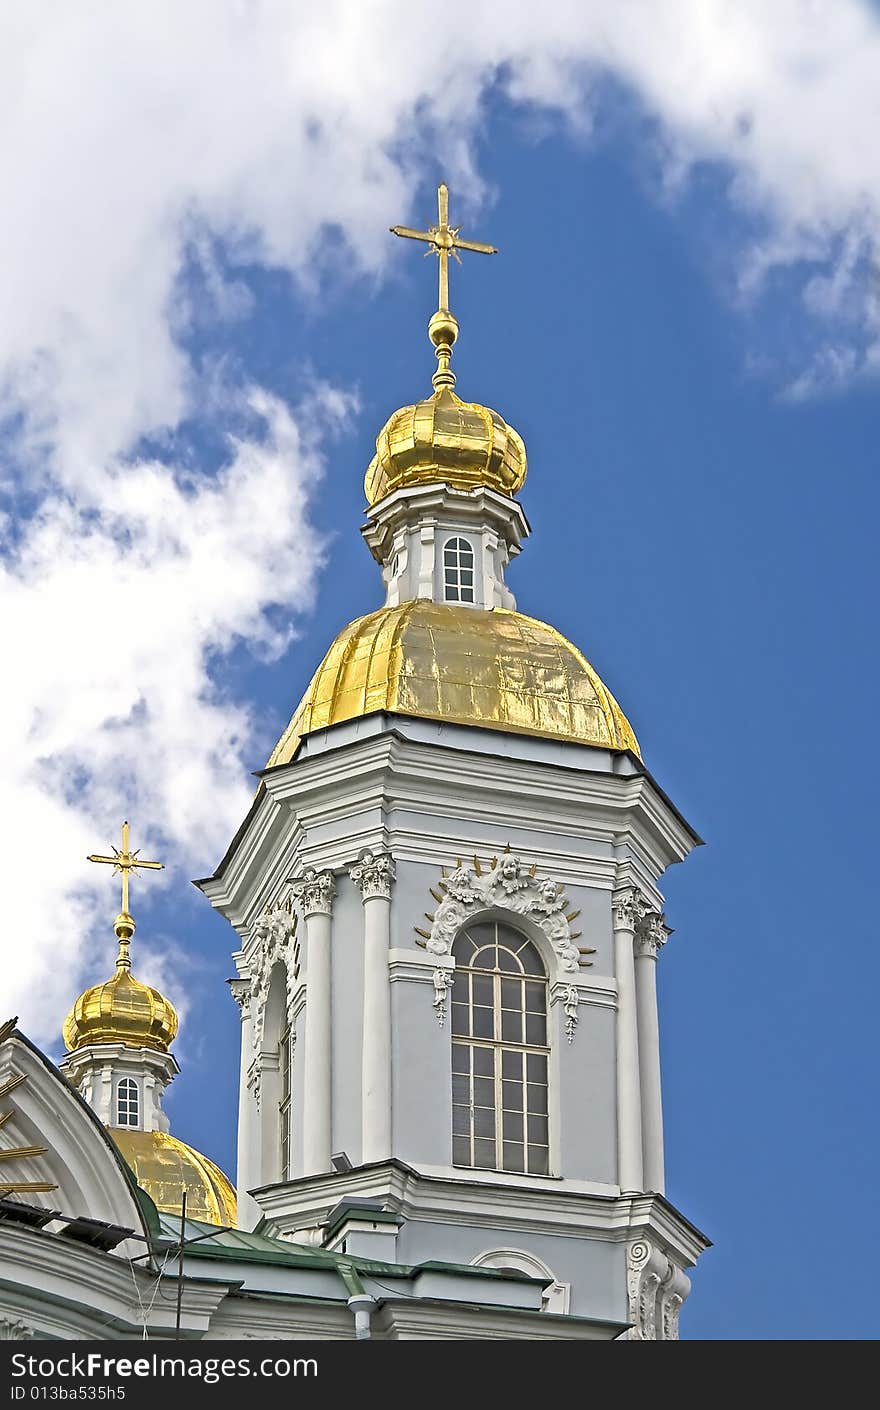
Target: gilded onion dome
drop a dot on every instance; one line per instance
(495, 669)
(164, 1166)
(444, 440)
(122, 1009)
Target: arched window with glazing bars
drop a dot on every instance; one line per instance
(500, 1052)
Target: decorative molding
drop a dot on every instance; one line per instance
(314, 891)
(656, 1289)
(14, 1331)
(240, 989)
(673, 1292)
(443, 982)
(628, 908)
(274, 936)
(651, 934)
(507, 884)
(570, 1000)
(373, 874)
(556, 1295)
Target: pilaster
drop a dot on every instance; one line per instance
(373, 874)
(627, 909)
(314, 892)
(651, 934)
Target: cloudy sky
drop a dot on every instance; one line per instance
(203, 322)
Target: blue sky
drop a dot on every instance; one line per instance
(703, 494)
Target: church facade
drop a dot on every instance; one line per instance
(448, 918)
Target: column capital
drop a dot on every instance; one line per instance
(314, 891)
(240, 989)
(373, 874)
(651, 934)
(628, 906)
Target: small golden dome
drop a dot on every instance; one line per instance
(498, 669)
(163, 1166)
(121, 1010)
(444, 440)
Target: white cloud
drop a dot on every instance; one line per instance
(134, 135)
(113, 608)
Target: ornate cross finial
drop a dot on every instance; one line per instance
(444, 241)
(125, 861)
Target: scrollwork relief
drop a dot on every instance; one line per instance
(314, 891)
(373, 874)
(656, 1289)
(651, 935)
(509, 885)
(274, 939)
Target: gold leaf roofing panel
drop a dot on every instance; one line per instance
(164, 1166)
(496, 669)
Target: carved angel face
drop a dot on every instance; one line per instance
(509, 868)
(550, 893)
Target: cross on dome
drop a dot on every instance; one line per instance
(444, 241)
(124, 861)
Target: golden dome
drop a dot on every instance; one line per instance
(121, 1010)
(497, 669)
(444, 440)
(163, 1166)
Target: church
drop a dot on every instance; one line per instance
(445, 922)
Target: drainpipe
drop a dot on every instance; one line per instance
(362, 1307)
(359, 1301)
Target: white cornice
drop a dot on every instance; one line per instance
(457, 1199)
(366, 784)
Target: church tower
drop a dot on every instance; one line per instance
(118, 1037)
(446, 894)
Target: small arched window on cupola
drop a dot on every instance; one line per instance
(458, 570)
(128, 1103)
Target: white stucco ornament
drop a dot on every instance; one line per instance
(570, 1001)
(373, 874)
(274, 942)
(506, 884)
(656, 1288)
(314, 891)
(633, 911)
(443, 982)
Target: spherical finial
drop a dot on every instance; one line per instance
(443, 331)
(124, 927)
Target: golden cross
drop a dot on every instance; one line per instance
(125, 861)
(443, 237)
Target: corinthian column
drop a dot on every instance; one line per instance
(314, 892)
(627, 909)
(373, 873)
(651, 934)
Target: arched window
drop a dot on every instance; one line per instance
(499, 1052)
(128, 1103)
(458, 571)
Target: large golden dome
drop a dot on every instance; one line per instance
(498, 669)
(163, 1166)
(444, 440)
(121, 1010)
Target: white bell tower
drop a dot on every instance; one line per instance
(447, 896)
